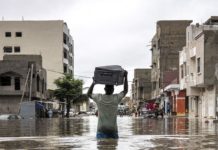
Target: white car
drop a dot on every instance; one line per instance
(10, 117)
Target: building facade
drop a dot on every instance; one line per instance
(16, 83)
(141, 87)
(169, 39)
(50, 39)
(198, 69)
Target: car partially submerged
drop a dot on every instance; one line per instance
(10, 117)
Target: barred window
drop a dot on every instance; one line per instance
(18, 34)
(7, 34)
(7, 49)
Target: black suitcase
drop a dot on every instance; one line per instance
(111, 75)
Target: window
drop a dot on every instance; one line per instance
(37, 83)
(65, 53)
(65, 68)
(185, 69)
(160, 83)
(65, 39)
(18, 34)
(71, 48)
(198, 65)
(7, 49)
(17, 83)
(5, 81)
(17, 49)
(7, 34)
(182, 71)
(43, 83)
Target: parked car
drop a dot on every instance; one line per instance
(10, 117)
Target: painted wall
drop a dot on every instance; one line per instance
(41, 38)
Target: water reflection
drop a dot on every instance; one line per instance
(134, 133)
(110, 144)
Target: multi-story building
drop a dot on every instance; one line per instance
(16, 83)
(198, 68)
(141, 87)
(166, 44)
(50, 39)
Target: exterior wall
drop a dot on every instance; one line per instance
(210, 56)
(155, 71)
(141, 87)
(208, 102)
(82, 106)
(170, 37)
(9, 104)
(200, 55)
(39, 38)
(18, 67)
(201, 85)
(142, 84)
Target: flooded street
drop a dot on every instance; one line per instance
(135, 133)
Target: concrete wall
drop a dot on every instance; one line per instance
(208, 102)
(142, 84)
(170, 38)
(41, 38)
(18, 67)
(9, 104)
(210, 56)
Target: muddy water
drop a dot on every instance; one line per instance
(135, 134)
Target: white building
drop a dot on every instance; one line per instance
(198, 61)
(50, 39)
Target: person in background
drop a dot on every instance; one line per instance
(107, 109)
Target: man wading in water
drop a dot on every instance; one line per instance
(107, 109)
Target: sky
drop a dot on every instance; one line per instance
(109, 32)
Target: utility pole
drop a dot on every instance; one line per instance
(24, 89)
(31, 81)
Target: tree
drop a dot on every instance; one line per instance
(68, 89)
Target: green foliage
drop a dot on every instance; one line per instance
(68, 87)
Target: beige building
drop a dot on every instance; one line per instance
(141, 87)
(50, 39)
(198, 68)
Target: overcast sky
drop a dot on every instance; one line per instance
(110, 32)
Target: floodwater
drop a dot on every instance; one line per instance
(135, 134)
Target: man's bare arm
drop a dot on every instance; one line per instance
(125, 90)
(89, 93)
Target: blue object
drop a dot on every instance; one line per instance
(39, 106)
(103, 135)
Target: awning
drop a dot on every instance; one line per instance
(172, 87)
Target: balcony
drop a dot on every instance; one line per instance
(193, 81)
(192, 52)
(65, 61)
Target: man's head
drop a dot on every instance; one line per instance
(109, 89)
